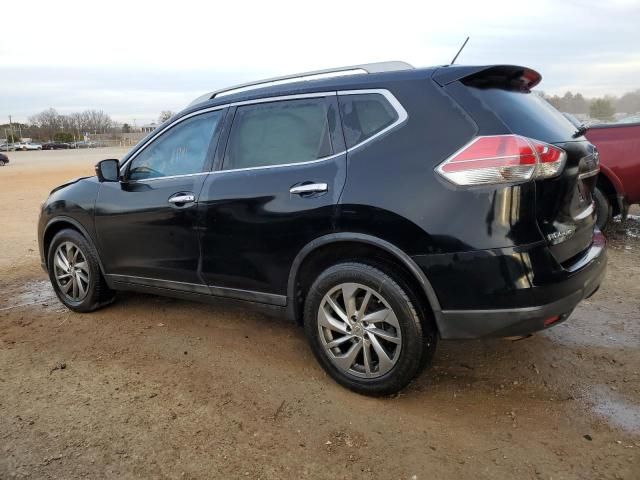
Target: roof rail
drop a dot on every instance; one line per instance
(377, 67)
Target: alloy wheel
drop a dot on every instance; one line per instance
(359, 330)
(71, 271)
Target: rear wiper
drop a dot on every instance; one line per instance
(580, 131)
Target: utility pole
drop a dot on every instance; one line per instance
(10, 131)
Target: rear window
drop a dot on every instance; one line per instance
(364, 115)
(527, 114)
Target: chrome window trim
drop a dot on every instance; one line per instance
(168, 177)
(393, 101)
(281, 165)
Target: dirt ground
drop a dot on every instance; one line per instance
(159, 388)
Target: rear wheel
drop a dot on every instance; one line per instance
(365, 330)
(2, 163)
(604, 209)
(75, 273)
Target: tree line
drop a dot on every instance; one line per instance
(600, 108)
(51, 125)
(49, 122)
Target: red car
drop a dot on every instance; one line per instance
(618, 184)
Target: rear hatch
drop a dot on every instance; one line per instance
(500, 101)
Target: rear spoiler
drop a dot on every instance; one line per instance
(509, 77)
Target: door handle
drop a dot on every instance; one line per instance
(182, 198)
(309, 188)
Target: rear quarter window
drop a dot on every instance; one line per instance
(364, 115)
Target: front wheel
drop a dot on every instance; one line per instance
(75, 273)
(365, 330)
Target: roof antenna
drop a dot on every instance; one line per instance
(459, 51)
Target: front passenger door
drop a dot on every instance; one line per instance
(146, 223)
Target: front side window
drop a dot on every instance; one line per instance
(181, 150)
(280, 133)
(364, 115)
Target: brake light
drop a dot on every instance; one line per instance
(502, 159)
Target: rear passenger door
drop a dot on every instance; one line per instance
(274, 190)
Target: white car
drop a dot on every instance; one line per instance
(30, 146)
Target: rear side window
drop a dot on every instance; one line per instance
(527, 114)
(279, 133)
(364, 115)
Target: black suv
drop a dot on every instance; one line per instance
(381, 206)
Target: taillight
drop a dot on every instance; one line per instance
(502, 159)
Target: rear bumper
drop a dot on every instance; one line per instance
(543, 304)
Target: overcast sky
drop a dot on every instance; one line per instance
(133, 59)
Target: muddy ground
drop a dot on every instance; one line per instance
(159, 388)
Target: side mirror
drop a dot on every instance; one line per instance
(108, 170)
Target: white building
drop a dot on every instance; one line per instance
(150, 127)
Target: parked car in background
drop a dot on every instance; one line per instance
(618, 184)
(24, 146)
(630, 119)
(383, 207)
(8, 147)
(3, 159)
(55, 146)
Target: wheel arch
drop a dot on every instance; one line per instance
(294, 308)
(58, 224)
(612, 187)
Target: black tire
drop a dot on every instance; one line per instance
(418, 335)
(98, 293)
(2, 163)
(604, 209)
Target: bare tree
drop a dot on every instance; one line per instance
(48, 121)
(165, 115)
(629, 102)
(96, 121)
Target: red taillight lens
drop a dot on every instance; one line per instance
(551, 159)
(502, 159)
